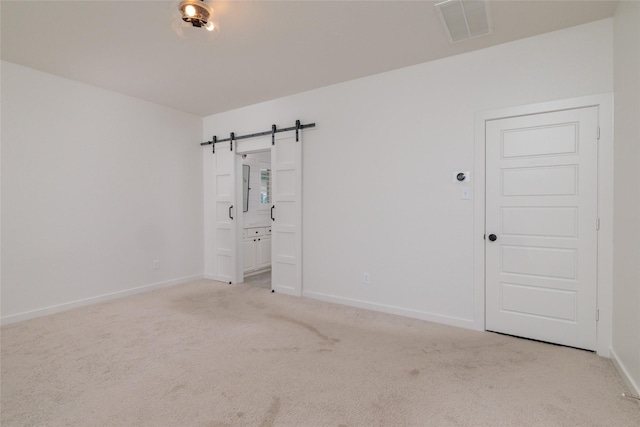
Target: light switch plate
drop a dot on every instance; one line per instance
(466, 193)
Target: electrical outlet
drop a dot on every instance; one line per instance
(366, 279)
(156, 264)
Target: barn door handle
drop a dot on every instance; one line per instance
(492, 237)
(272, 208)
(230, 207)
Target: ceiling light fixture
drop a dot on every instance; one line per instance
(190, 11)
(196, 17)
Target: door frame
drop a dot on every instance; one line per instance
(262, 144)
(247, 146)
(242, 148)
(604, 102)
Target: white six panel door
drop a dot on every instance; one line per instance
(286, 232)
(225, 230)
(541, 204)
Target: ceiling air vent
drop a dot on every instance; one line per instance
(465, 19)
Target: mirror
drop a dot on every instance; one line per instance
(245, 188)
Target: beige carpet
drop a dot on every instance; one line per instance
(210, 354)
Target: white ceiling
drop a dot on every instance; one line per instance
(266, 49)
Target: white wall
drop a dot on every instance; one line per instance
(378, 191)
(626, 289)
(95, 186)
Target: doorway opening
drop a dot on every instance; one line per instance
(276, 224)
(255, 219)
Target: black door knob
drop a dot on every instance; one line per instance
(492, 237)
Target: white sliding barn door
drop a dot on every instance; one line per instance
(541, 207)
(286, 175)
(225, 242)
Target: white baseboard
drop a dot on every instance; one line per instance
(624, 373)
(215, 278)
(93, 300)
(414, 314)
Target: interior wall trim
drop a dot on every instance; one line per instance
(19, 317)
(624, 373)
(389, 309)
